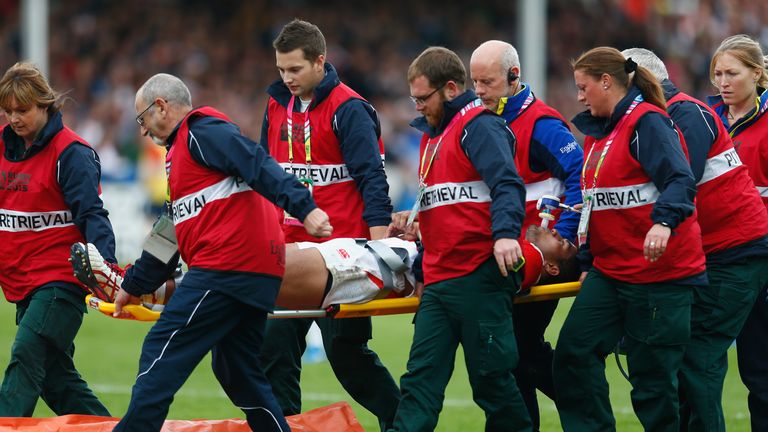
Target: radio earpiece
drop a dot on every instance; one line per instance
(511, 77)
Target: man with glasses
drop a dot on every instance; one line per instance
(549, 160)
(470, 206)
(140, 116)
(328, 136)
(222, 187)
(140, 119)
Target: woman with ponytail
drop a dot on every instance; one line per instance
(738, 71)
(639, 223)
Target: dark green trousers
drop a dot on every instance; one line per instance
(41, 363)
(356, 366)
(656, 321)
(717, 316)
(476, 312)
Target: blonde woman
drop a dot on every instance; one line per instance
(738, 72)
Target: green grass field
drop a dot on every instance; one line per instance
(108, 350)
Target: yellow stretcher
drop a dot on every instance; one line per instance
(371, 308)
(410, 304)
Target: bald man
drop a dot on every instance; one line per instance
(549, 160)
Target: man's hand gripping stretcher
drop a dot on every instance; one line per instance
(103, 280)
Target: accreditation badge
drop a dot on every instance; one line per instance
(586, 212)
(416, 205)
(287, 218)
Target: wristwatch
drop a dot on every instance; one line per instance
(664, 224)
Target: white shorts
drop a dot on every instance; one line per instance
(356, 272)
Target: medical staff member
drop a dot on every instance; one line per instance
(638, 190)
(228, 234)
(549, 161)
(738, 71)
(471, 205)
(49, 199)
(329, 137)
(736, 251)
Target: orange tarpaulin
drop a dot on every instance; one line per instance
(335, 417)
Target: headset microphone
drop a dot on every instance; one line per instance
(511, 76)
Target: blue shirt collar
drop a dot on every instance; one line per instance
(510, 106)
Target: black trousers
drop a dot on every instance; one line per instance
(752, 352)
(356, 366)
(534, 369)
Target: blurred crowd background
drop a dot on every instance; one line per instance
(101, 51)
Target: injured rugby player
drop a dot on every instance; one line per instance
(346, 270)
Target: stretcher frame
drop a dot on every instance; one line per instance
(410, 304)
(371, 308)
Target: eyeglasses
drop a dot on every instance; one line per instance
(423, 99)
(140, 117)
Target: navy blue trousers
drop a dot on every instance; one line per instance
(195, 321)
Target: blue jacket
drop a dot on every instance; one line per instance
(553, 148)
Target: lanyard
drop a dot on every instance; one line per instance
(307, 134)
(424, 172)
(586, 211)
(607, 146)
(168, 207)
